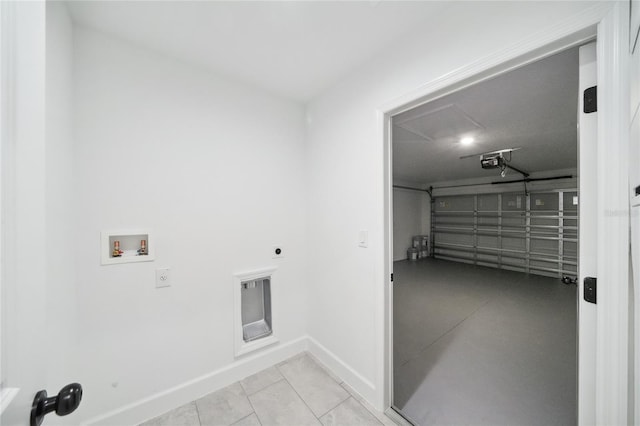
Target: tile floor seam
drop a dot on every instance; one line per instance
(338, 404)
(242, 386)
(251, 403)
(248, 415)
(299, 396)
(326, 369)
(197, 412)
(370, 412)
(360, 404)
(425, 348)
(263, 388)
(357, 398)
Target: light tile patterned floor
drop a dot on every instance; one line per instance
(296, 392)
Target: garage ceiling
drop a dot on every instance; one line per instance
(533, 107)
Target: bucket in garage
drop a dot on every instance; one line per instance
(413, 254)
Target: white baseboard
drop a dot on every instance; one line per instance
(355, 380)
(154, 405)
(159, 403)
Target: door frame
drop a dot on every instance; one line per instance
(608, 24)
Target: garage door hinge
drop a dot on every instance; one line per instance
(590, 286)
(590, 100)
(391, 277)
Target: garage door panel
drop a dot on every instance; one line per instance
(536, 232)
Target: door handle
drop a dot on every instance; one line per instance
(66, 402)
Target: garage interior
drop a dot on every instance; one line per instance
(484, 326)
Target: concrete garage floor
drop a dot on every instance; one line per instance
(482, 346)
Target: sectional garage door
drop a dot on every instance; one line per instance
(536, 233)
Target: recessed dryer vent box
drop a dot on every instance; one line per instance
(127, 246)
(253, 326)
(256, 309)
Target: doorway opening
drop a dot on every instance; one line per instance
(485, 250)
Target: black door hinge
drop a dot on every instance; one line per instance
(590, 286)
(391, 277)
(590, 100)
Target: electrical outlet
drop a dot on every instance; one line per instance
(277, 252)
(162, 278)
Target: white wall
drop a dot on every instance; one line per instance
(411, 216)
(345, 163)
(217, 171)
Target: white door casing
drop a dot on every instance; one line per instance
(587, 180)
(612, 334)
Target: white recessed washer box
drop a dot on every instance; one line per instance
(127, 246)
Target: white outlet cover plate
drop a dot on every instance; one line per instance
(277, 256)
(163, 278)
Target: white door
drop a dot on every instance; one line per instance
(24, 337)
(587, 144)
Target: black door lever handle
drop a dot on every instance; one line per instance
(66, 402)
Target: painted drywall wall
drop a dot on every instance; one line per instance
(215, 170)
(345, 165)
(60, 236)
(411, 216)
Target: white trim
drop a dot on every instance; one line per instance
(240, 346)
(588, 235)
(612, 366)
(384, 299)
(359, 383)
(7, 168)
(6, 396)
(161, 402)
(613, 219)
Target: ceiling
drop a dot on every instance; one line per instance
(294, 49)
(533, 107)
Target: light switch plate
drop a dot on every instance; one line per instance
(163, 278)
(363, 239)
